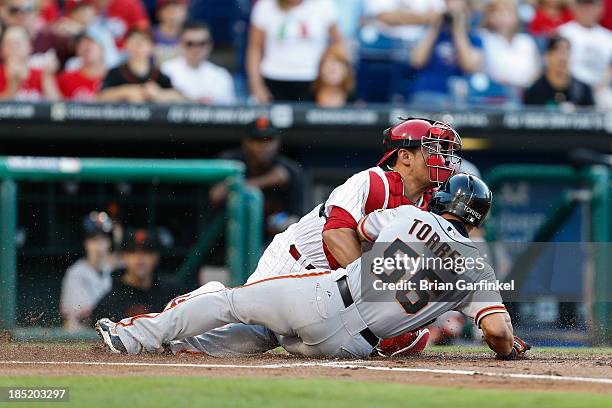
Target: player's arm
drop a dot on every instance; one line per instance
(490, 315)
(498, 334)
(343, 244)
(340, 236)
(370, 226)
(344, 207)
(277, 176)
(497, 330)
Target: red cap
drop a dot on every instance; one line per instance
(162, 3)
(70, 5)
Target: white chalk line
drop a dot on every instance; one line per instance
(326, 364)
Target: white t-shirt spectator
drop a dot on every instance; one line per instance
(590, 53)
(295, 39)
(404, 32)
(208, 83)
(515, 63)
(82, 288)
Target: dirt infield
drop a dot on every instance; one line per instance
(544, 370)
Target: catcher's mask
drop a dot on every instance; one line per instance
(438, 142)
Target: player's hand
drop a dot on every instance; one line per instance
(519, 349)
(217, 194)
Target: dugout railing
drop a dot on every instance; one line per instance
(243, 215)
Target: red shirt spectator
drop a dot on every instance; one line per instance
(76, 86)
(549, 15)
(125, 15)
(30, 89)
(18, 81)
(48, 11)
(83, 84)
(606, 19)
(23, 13)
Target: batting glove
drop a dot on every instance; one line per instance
(519, 348)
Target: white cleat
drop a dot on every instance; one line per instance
(107, 332)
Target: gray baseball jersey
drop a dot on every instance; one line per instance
(444, 268)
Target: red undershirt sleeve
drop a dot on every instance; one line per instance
(339, 218)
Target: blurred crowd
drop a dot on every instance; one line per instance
(331, 52)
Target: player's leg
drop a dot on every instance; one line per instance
(279, 305)
(275, 261)
(235, 339)
(339, 345)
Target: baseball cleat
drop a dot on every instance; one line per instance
(106, 330)
(406, 344)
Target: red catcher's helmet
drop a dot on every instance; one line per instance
(438, 142)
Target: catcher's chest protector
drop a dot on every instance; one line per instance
(387, 191)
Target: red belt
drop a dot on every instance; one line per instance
(296, 255)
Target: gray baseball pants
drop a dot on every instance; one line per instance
(302, 313)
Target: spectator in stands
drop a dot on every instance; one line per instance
(45, 42)
(286, 41)
(404, 19)
(82, 16)
(511, 58)
(591, 44)
(136, 289)
(603, 93)
(606, 18)
(123, 16)
(17, 80)
(48, 11)
(139, 80)
(557, 86)
(83, 84)
(449, 49)
(279, 178)
(172, 15)
(194, 75)
(549, 15)
(88, 280)
(336, 80)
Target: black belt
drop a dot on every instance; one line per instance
(345, 293)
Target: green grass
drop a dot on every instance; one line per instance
(132, 392)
